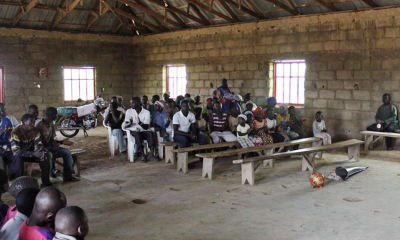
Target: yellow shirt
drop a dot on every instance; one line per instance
(279, 118)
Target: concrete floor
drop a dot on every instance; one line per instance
(281, 206)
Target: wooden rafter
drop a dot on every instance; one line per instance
(61, 16)
(177, 18)
(199, 13)
(328, 4)
(93, 17)
(253, 6)
(370, 3)
(150, 13)
(113, 10)
(229, 10)
(293, 6)
(158, 22)
(24, 10)
(200, 5)
(180, 12)
(129, 11)
(244, 9)
(284, 6)
(137, 19)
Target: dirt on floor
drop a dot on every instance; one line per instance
(152, 200)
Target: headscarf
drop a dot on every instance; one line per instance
(222, 79)
(258, 110)
(271, 100)
(197, 95)
(248, 112)
(285, 106)
(168, 93)
(243, 116)
(229, 96)
(160, 103)
(218, 93)
(238, 98)
(209, 100)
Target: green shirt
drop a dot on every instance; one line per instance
(387, 113)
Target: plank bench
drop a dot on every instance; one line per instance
(183, 159)
(170, 155)
(308, 154)
(76, 165)
(369, 137)
(209, 158)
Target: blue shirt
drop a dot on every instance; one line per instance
(160, 118)
(5, 122)
(225, 108)
(223, 91)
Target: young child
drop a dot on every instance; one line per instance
(71, 223)
(201, 125)
(3, 189)
(18, 185)
(243, 130)
(319, 129)
(25, 201)
(233, 120)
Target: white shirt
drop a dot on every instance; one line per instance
(13, 120)
(271, 123)
(318, 127)
(183, 122)
(144, 117)
(241, 129)
(10, 230)
(60, 236)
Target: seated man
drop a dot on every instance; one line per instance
(160, 118)
(26, 145)
(138, 119)
(185, 131)
(12, 119)
(386, 119)
(121, 107)
(25, 201)
(219, 125)
(3, 189)
(34, 111)
(47, 203)
(71, 223)
(47, 132)
(151, 109)
(114, 119)
(6, 155)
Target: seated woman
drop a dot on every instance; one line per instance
(297, 123)
(229, 103)
(260, 134)
(273, 128)
(283, 119)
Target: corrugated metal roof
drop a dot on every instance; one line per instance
(44, 13)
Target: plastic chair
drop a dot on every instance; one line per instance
(112, 140)
(132, 144)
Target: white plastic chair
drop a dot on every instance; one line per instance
(160, 148)
(132, 149)
(112, 140)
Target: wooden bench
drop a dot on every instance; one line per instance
(183, 159)
(209, 158)
(76, 165)
(170, 155)
(369, 137)
(308, 154)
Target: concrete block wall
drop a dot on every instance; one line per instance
(24, 51)
(352, 60)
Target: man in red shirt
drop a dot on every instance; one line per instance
(48, 202)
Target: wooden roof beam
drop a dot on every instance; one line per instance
(93, 17)
(137, 19)
(158, 22)
(244, 9)
(180, 12)
(150, 13)
(113, 10)
(229, 10)
(61, 16)
(24, 10)
(293, 6)
(328, 4)
(253, 6)
(200, 5)
(199, 13)
(370, 3)
(284, 6)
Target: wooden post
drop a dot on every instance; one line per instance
(169, 154)
(367, 143)
(270, 162)
(248, 173)
(76, 165)
(318, 144)
(354, 152)
(183, 162)
(307, 162)
(208, 168)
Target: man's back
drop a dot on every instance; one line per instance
(10, 230)
(35, 233)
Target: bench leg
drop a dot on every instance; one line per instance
(270, 162)
(318, 144)
(76, 165)
(354, 152)
(248, 173)
(208, 168)
(183, 162)
(307, 162)
(169, 155)
(367, 143)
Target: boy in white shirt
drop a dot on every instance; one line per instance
(243, 130)
(319, 129)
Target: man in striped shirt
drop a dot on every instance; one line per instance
(219, 125)
(27, 146)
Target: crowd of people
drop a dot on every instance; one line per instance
(224, 117)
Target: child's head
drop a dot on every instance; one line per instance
(270, 113)
(292, 110)
(48, 202)
(249, 115)
(319, 116)
(22, 183)
(3, 182)
(72, 221)
(249, 107)
(242, 119)
(26, 200)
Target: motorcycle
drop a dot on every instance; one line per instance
(73, 119)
